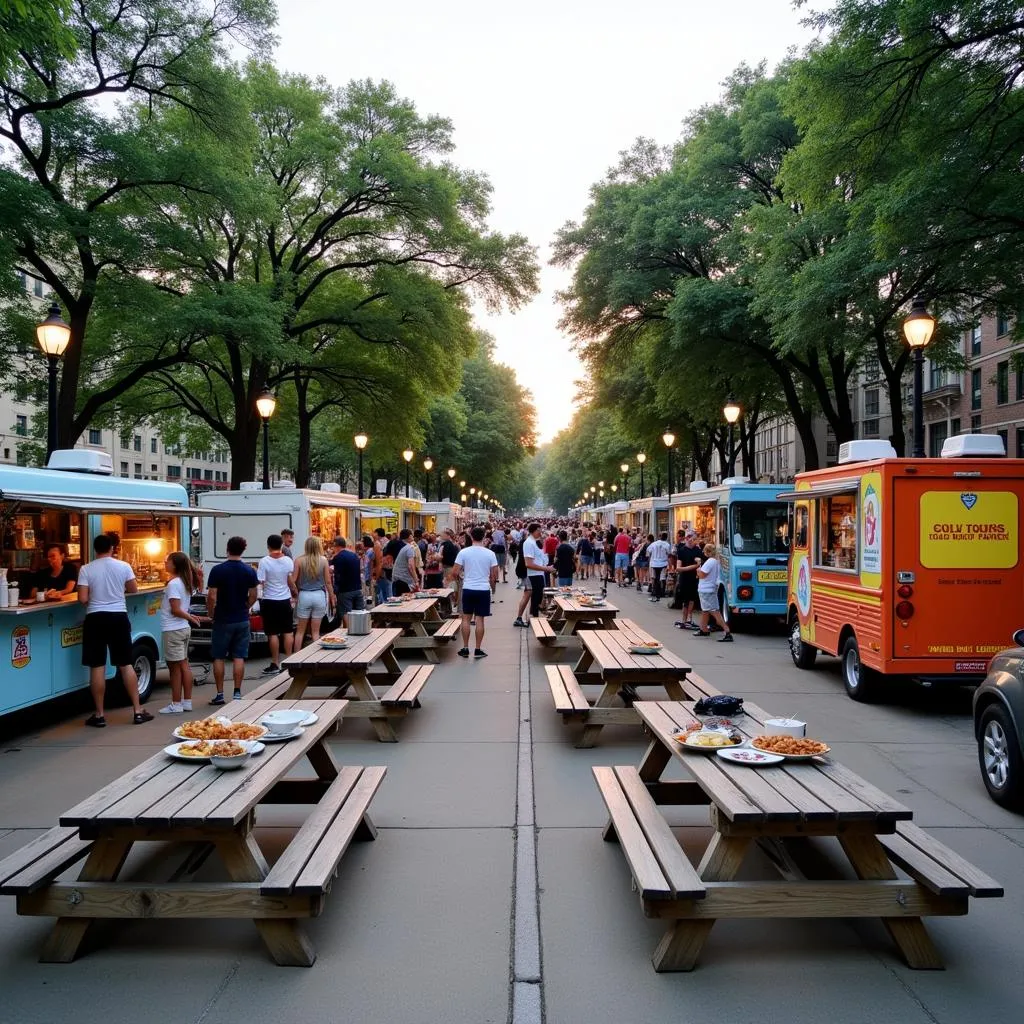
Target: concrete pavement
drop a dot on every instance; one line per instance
(489, 893)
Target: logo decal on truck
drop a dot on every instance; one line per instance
(21, 646)
(969, 500)
(968, 530)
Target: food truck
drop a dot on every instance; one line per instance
(907, 567)
(650, 514)
(750, 527)
(394, 514)
(69, 503)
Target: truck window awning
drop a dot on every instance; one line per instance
(107, 506)
(822, 490)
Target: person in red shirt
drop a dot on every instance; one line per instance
(550, 547)
(623, 546)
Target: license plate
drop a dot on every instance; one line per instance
(772, 576)
(970, 666)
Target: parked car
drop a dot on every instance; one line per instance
(999, 726)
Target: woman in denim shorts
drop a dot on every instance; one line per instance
(315, 593)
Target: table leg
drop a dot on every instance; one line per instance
(609, 694)
(284, 939)
(322, 760)
(103, 864)
(675, 691)
(297, 687)
(582, 666)
(418, 629)
(364, 691)
(390, 663)
(869, 860)
(568, 625)
(681, 944)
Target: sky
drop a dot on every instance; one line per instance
(543, 97)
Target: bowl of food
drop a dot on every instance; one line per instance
(284, 721)
(647, 647)
(790, 747)
(334, 642)
(230, 754)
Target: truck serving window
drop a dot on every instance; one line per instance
(760, 528)
(837, 532)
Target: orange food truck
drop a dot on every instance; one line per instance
(907, 567)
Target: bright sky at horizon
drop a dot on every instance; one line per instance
(543, 97)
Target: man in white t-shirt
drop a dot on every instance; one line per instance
(274, 574)
(658, 552)
(477, 567)
(102, 585)
(537, 572)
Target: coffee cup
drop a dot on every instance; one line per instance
(282, 722)
(40, 597)
(785, 727)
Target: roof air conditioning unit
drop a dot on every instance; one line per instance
(283, 485)
(330, 488)
(78, 460)
(731, 481)
(864, 451)
(698, 485)
(250, 485)
(977, 446)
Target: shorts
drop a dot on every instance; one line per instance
(103, 632)
(476, 602)
(621, 561)
(277, 617)
(536, 585)
(499, 554)
(175, 643)
(686, 586)
(400, 587)
(229, 640)
(350, 601)
(312, 604)
(586, 559)
(708, 600)
(642, 563)
(564, 581)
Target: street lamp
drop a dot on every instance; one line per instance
(265, 406)
(641, 458)
(408, 456)
(670, 439)
(465, 498)
(918, 328)
(361, 440)
(428, 465)
(53, 337)
(732, 414)
(624, 468)
(451, 483)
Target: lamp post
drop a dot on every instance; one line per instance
(361, 440)
(624, 468)
(732, 414)
(670, 439)
(451, 483)
(408, 456)
(465, 498)
(918, 328)
(265, 406)
(428, 465)
(641, 458)
(53, 337)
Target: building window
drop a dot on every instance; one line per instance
(975, 424)
(871, 428)
(1005, 437)
(95, 436)
(936, 436)
(124, 469)
(954, 427)
(126, 441)
(21, 426)
(1002, 383)
(976, 389)
(1019, 374)
(976, 340)
(138, 470)
(174, 472)
(37, 288)
(152, 446)
(1020, 442)
(20, 458)
(137, 442)
(22, 280)
(1003, 322)
(871, 402)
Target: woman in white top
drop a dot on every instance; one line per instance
(709, 574)
(311, 580)
(176, 623)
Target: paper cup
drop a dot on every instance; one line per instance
(785, 727)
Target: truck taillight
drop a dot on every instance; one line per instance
(905, 592)
(905, 610)
(745, 593)
(746, 575)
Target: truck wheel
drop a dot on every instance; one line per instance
(999, 756)
(803, 654)
(143, 660)
(861, 683)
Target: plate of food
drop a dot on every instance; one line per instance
(196, 751)
(750, 757)
(219, 729)
(708, 741)
(393, 600)
(649, 647)
(790, 747)
(334, 643)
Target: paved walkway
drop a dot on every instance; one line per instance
(489, 895)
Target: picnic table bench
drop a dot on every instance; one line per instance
(779, 807)
(346, 672)
(195, 804)
(420, 624)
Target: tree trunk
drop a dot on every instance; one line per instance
(302, 462)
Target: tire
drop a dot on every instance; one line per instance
(723, 603)
(861, 683)
(803, 655)
(999, 757)
(144, 662)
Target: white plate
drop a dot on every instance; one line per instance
(177, 735)
(311, 719)
(637, 649)
(792, 757)
(333, 647)
(749, 757)
(279, 737)
(255, 747)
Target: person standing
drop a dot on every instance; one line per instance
(537, 571)
(621, 549)
(477, 566)
(658, 552)
(498, 546)
(287, 540)
(231, 592)
(176, 623)
(347, 580)
(310, 579)
(405, 576)
(376, 566)
(688, 558)
(585, 551)
(565, 560)
(102, 586)
(708, 577)
(274, 573)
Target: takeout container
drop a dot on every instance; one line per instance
(785, 727)
(281, 722)
(358, 623)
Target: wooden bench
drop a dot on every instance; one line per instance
(310, 861)
(659, 867)
(273, 688)
(542, 630)
(405, 692)
(448, 630)
(935, 865)
(570, 701)
(39, 862)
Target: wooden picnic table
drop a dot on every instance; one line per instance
(569, 614)
(779, 807)
(420, 623)
(172, 801)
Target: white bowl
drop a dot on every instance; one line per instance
(231, 762)
(283, 721)
(785, 727)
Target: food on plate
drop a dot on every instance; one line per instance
(749, 755)
(333, 641)
(700, 736)
(229, 748)
(653, 644)
(220, 729)
(202, 748)
(777, 744)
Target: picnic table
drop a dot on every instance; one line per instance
(169, 801)
(420, 624)
(779, 807)
(569, 614)
(607, 659)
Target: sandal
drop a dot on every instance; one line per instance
(142, 718)
(96, 721)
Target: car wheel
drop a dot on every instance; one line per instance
(1000, 758)
(144, 662)
(861, 683)
(803, 654)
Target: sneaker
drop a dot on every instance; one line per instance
(479, 653)
(520, 623)
(727, 639)
(702, 632)
(271, 668)
(463, 652)
(142, 718)
(237, 695)
(217, 700)
(96, 721)
(186, 705)
(172, 709)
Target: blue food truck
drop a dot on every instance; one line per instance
(68, 504)
(750, 528)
